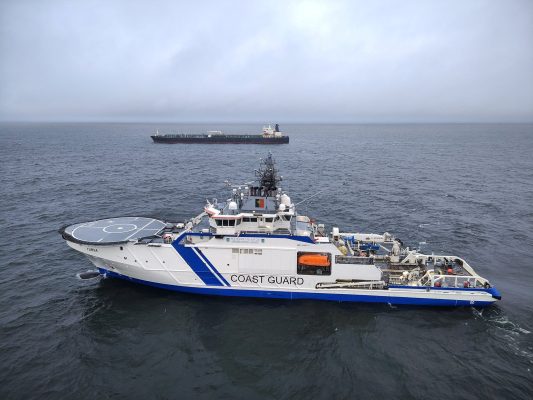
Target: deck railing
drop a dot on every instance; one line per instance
(457, 281)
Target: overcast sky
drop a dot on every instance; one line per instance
(329, 61)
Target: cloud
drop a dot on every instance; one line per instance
(251, 60)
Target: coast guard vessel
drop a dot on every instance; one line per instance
(270, 135)
(256, 244)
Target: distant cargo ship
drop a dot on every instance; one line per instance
(269, 136)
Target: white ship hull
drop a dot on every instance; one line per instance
(163, 267)
(257, 245)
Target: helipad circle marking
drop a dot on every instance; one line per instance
(120, 228)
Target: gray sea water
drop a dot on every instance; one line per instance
(463, 189)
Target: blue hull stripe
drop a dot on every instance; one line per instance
(305, 239)
(301, 295)
(205, 263)
(212, 267)
(197, 265)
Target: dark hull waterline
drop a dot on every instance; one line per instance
(220, 139)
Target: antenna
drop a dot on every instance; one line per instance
(310, 197)
(235, 185)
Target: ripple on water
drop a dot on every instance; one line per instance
(67, 338)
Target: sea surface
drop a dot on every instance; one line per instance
(465, 189)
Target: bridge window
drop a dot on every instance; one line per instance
(311, 263)
(227, 222)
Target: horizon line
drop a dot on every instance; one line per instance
(301, 122)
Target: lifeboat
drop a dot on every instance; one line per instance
(314, 260)
(210, 210)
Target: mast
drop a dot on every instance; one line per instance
(268, 175)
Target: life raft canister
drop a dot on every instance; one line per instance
(314, 260)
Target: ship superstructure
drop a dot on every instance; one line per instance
(255, 244)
